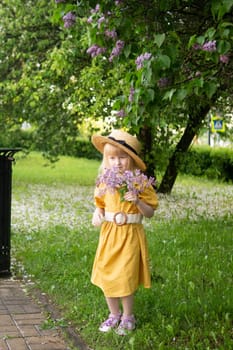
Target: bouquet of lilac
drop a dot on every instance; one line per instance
(127, 181)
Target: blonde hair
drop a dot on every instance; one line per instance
(110, 150)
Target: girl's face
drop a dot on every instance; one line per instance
(114, 157)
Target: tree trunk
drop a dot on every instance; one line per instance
(146, 137)
(193, 126)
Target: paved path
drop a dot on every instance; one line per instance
(22, 319)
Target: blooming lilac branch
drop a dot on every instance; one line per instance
(95, 50)
(209, 46)
(121, 113)
(110, 34)
(96, 9)
(69, 20)
(224, 59)
(163, 82)
(140, 59)
(116, 50)
(131, 94)
(127, 181)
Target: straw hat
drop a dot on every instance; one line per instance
(123, 140)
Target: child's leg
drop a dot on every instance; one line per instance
(114, 318)
(113, 305)
(127, 323)
(127, 303)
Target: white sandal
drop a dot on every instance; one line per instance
(111, 322)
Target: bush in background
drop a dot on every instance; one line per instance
(214, 163)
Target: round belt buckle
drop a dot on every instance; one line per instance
(120, 218)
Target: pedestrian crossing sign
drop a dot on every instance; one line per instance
(217, 124)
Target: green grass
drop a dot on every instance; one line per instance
(34, 169)
(190, 303)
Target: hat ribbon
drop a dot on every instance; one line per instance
(123, 143)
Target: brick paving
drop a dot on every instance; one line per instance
(22, 319)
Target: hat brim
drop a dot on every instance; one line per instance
(99, 142)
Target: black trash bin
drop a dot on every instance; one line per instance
(6, 159)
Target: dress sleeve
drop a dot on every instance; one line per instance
(99, 200)
(149, 196)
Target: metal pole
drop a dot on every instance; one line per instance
(209, 128)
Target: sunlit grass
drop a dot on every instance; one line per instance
(34, 169)
(190, 303)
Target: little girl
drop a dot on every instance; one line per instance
(121, 263)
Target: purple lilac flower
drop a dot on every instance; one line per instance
(224, 59)
(96, 9)
(90, 20)
(133, 181)
(101, 20)
(111, 34)
(116, 50)
(163, 82)
(209, 46)
(95, 50)
(140, 59)
(121, 113)
(57, 1)
(197, 46)
(131, 94)
(118, 2)
(69, 19)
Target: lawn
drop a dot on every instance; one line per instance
(190, 239)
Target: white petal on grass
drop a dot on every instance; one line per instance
(40, 206)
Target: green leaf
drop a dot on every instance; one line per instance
(168, 94)
(210, 88)
(210, 33)
(127, 50)
(192, 40)
(223, 46)
(181, 94)
(164, 60)
(159, 39)
(147, 74)
(219, 9)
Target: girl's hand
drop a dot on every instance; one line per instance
(131, 197)
(144, 208)
(98, 217)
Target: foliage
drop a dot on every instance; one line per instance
(215, 163)
(171, 60)
(188, 53)
(158, 66)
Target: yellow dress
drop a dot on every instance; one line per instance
(121, 262)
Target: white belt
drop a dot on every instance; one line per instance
(120, 218)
